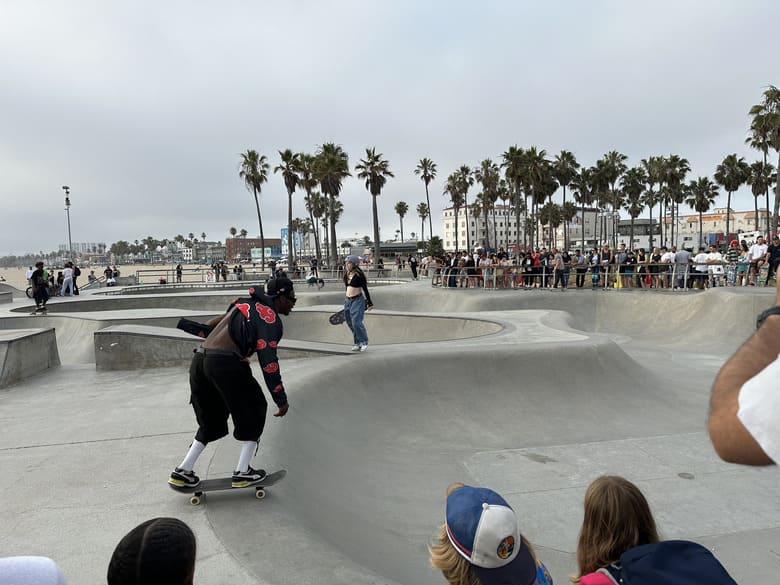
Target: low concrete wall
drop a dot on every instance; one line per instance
(26, 352)
(133, 347)
(6, 296)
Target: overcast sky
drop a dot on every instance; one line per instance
(142, 108)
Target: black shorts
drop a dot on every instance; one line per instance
(222, 385)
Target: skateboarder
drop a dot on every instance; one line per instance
(40, 287)
(222, 384)
(355, 305)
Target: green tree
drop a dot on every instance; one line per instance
(401, 209)
(254, 172)
(653, 167)
(242, 232)
(676, 169)
(290, 168)
(512, 163)
(765, 126)
(374, 170)
(761, 177)
(489, 176)
(700, 196)
(313, 201)
(633, 185)
(435, 247)
(731, 174)
(582, 186)
(535, 175)
(423, 213)
(331, 167)
(465, 179)
(452, 188)
(233, 231)
(426, 170)
(564, 169)
(550, 215)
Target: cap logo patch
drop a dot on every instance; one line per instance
(505, 547)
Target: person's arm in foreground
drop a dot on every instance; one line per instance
(732, 441)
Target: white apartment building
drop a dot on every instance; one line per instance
(686, 227)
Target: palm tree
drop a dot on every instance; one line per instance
(243, 233)
(731, 174)
(331, 167)
(766, 124)
(465, 180)
(401, 208)
(489, 176)
(426, 170)
(374, 170)
(233, 231)
(633, 185)
(550, 215)
(564, 169)
(452, 188)
(535, 173)
(653, 168)
(614, 165)
(701, 195)
(313, 201)
(584, 194)
(289, 167)
(202, 235)
(422, 213)
(512, 163)
(676, 168)
(760, 178)
(254, 172)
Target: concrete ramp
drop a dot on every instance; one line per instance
(25, 353)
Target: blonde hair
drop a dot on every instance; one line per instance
(455, 568)
(617, 517)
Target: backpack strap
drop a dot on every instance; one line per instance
(612, 572)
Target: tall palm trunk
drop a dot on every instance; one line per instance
(289, 228)
(456, 229)
(701, 235)
(332, 228)
(777, 199)
(262, 236)
(377, 246)
(430, 219)
(565, 234)
(651, 227)
(728, 213)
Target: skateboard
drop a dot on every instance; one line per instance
(38, 312)
(337, 318)
(225, 483)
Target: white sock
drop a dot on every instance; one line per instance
(248, 450)
(192, 455)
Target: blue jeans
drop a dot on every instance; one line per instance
(354, 309)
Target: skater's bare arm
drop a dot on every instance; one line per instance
(732, 441)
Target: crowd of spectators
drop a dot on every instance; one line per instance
(659, 268)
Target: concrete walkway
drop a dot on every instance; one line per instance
(532, 393)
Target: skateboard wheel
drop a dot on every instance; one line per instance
(195, 500)
(259, 493)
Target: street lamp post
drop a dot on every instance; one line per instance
(67, 212)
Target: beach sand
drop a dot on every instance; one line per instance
(16, 276)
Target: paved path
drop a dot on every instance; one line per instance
(532, 393)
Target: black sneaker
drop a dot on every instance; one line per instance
(247, 478)
(181, 478)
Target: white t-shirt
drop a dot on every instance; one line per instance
(667, 257)
(701, 262)
(67, 273)
(757, 251)
(759, 408)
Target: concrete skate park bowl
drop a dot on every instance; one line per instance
(531, 393)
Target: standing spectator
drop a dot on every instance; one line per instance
(28, 274)
(757, 258)
(595, 268)
(732, 255)
(179, 271)
(91, 277)
(224, 271)
(744, 422)
(109, 274)
(629, 263)
(558, 269)
(76, 274)
(240, 272)
(413, 265)
(714, 266)
(654, 266)
(40, 287)
(642, 277)
(773, 257)
(682, 262)
(700, 268)
(67, 280)
(580, 267)
(480, 542)
(667, 266)
(313, 267)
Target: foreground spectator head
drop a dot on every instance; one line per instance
(30, 571)
(617, 518)
(480, 542)
(160, 551)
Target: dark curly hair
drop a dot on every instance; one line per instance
(160, 551)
